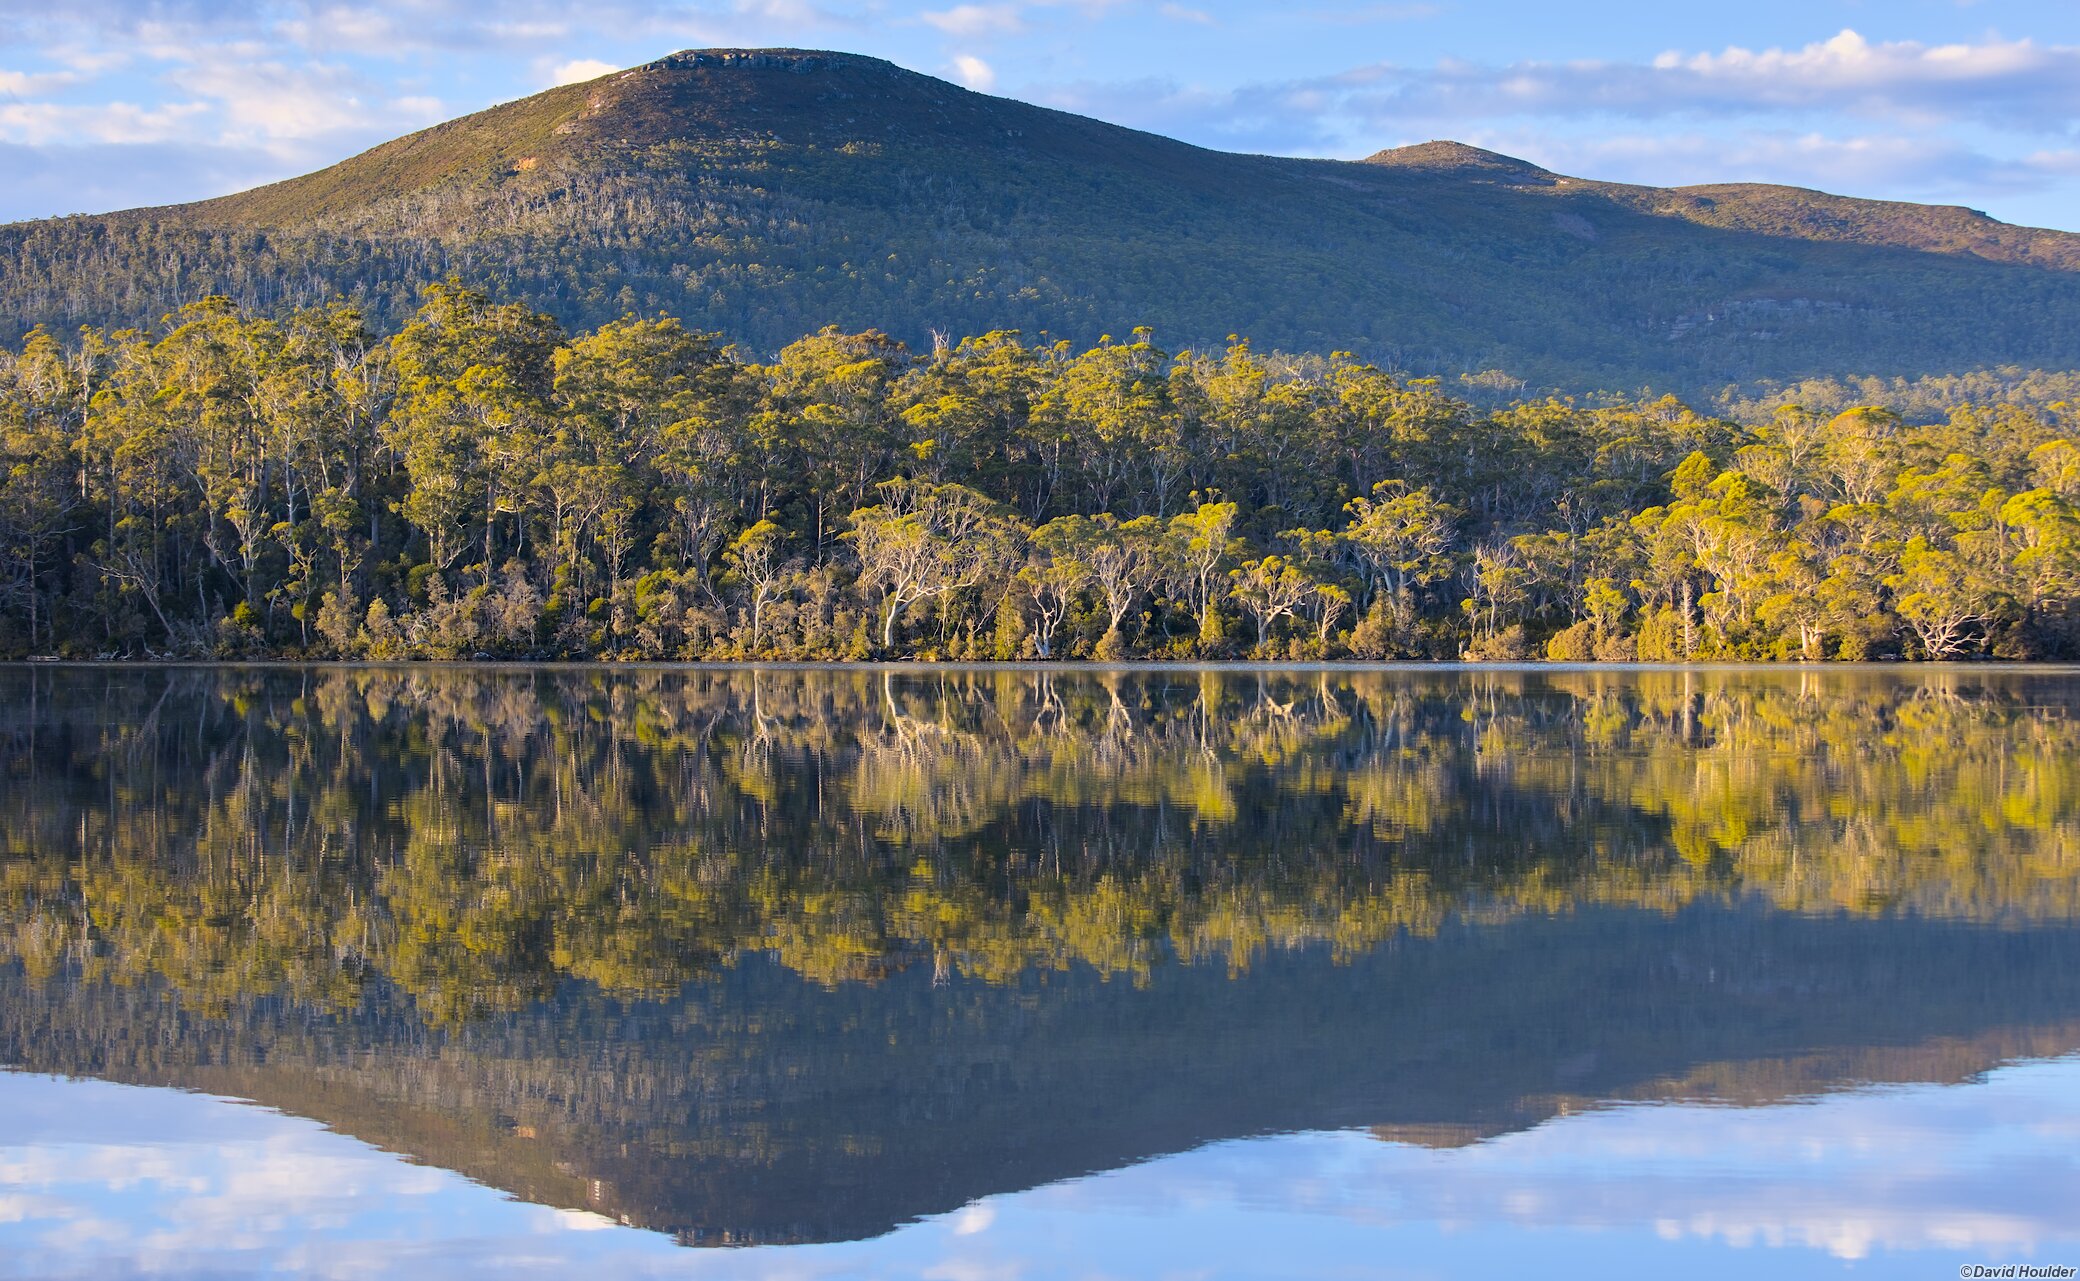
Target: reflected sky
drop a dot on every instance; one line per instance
(103, 1180)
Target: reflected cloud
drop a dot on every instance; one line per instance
(1933, 1170)
(1882, 1170)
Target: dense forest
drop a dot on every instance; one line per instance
(483, 484)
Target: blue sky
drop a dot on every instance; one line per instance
(114, 103)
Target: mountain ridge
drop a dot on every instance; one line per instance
(767, 192)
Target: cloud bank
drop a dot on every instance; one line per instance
(1901, 118)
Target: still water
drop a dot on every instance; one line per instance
(972, 973)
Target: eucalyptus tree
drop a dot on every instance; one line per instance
(1057, 572)
(474, 380)
(1197, 547)
(967, 415)
(922, 542)
(643, 411)
(41, 407)
(1123, 560)
(1268, 589)
(759, 572)
(1401, 537)
(1114, 404)
(830, 412)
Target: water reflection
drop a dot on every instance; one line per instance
(800, 956)
(1902, 1181)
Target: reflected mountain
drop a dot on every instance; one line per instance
(783, 955)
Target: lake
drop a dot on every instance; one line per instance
(975, 973)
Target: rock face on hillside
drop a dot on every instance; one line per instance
(1445, 156)
(769, 192)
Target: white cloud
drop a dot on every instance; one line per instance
(975, 20)
(582, 69)
(424, 109)
(1848, 58)
(2017, 81)
(1801, 115)
(271, 100)
(2011, 83)
(1886, 1168)
(33, 84)
(392, 28)
(1925, 167)
(1182, 13)
(38, 124)
(794, 13)
(972, 1219)
(364, 29)
(974, 72)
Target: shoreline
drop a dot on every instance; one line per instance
(2031, 666)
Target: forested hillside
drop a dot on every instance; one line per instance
(484, 484)
(766, 194)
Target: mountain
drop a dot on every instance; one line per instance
(766, 193)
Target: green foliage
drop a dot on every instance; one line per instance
(482, 484)
(473, 841)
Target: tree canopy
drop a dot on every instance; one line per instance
(483, 484)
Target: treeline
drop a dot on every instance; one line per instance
(1926, 398)
(484, 484)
